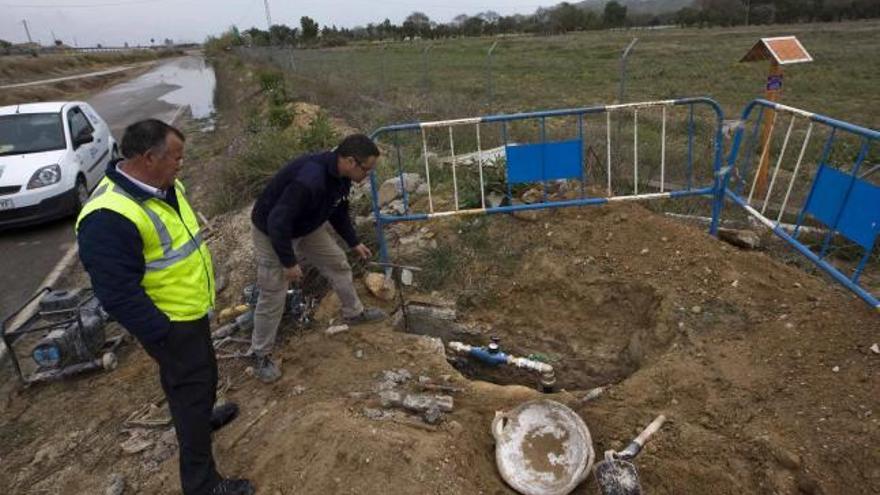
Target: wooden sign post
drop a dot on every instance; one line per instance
(779, 51)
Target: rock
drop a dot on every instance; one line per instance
(391, 188)
(297, 390)
(116, 485)
(336, 329)
(400, 376)
(396, 207)
(376, 284)
(786, 458)
(745, 239)
(431, 312)
(836, 369)
(226, 314)
(494, 200)
(425, 402)
(422, 189)
(532, 196)
(433, 416)
(696, 310)
(525, 215)
(406, 277)
(807, 485)
(359, 354)
(374, 414)
(644, 251)
(390, 398)
(364, 220)
(875, 348)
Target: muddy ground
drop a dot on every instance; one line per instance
(764, 371)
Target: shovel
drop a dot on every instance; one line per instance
(616, 475)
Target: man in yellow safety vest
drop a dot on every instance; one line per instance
(141, 244)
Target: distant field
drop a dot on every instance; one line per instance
(25, 68)
(582, 69)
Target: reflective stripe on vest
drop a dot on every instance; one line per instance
(178, 280)
(170, 255)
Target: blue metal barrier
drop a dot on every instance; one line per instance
(841, 202)
(547, 160)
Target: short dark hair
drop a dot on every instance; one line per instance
(359, 146)
(145, 135)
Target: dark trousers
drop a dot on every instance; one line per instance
(188, 372)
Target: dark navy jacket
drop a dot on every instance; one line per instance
(302, 196)
(112, 252)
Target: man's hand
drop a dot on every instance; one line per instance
(293, 273)
(362, 251)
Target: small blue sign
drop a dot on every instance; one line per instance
(774, 82)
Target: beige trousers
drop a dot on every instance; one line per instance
(317, 249)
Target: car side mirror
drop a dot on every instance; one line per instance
(82, 138)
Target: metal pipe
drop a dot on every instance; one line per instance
(498, 357)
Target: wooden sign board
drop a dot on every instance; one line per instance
(783, 50)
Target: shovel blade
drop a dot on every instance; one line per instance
(616, 477)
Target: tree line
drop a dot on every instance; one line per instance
(562, 18)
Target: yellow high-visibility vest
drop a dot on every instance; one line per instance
(179, 275)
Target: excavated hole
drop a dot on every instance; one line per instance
(602, 339)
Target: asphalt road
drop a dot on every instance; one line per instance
(27, 255)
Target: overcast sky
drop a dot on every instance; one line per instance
(113, 22)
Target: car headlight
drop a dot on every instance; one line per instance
(45, 176)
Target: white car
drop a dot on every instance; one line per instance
(51, 156)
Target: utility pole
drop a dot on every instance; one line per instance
(268, 15)
(27, 31)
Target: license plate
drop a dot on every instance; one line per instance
(6, 204)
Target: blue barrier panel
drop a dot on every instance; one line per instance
(541, 162)
(857, 214)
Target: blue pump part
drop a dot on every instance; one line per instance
(490, 358)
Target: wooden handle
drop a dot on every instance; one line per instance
(650, 430)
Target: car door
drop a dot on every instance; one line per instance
(103, 136)
(88, 155)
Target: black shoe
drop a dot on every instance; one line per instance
(223, 415)
(265, 369)
(234, 487)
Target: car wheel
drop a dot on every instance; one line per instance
(80, 193)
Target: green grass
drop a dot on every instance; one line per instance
(583, 69)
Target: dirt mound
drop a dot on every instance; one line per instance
(763, 370)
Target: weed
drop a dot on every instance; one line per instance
(270, 80)
(438, 264)
(319, 135)
(279, 117)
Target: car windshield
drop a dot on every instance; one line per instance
(30, 133)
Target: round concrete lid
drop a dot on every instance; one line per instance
(542, 448)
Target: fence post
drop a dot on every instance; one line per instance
(621, 94)
(382, 69)
(490, 87)
(623, 57)
(425, 82)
